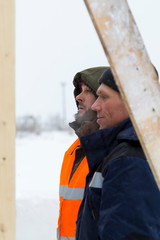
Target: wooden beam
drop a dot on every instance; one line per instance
(7, 121)
(133, 71)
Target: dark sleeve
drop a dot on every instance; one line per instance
(130, 202)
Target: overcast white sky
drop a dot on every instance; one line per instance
(55, 39)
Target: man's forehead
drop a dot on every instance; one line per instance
(104, 89)
(82, 85)
(101, 90)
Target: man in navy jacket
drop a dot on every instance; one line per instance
(121, 199)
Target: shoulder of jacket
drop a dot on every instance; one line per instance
(125, 148)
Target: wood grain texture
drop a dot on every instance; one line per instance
(133, 71)
(7, 121)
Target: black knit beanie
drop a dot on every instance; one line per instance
(108, 79)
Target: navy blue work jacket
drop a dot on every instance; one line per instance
(121, 198)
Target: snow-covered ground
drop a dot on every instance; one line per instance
(38, 163)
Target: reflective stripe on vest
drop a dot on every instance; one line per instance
(97, 180)
(71, 193)
(64, 238)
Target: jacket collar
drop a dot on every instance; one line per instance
(100, 143)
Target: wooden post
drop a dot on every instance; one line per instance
(7, 121)
(133, 71)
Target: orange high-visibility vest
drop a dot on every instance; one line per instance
(70, 193)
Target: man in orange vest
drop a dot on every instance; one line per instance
(75, 167)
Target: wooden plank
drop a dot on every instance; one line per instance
(7, 121)
(133, 71)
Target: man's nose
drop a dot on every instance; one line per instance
(79, 97)
(95, 106)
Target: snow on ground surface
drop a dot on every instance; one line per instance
(38, 164)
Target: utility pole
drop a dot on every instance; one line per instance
(63, 84)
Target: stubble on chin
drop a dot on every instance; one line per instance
(78, 116)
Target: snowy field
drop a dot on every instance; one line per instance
(38, 163)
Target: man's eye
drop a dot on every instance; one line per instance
(88, 90)
(104, 97)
